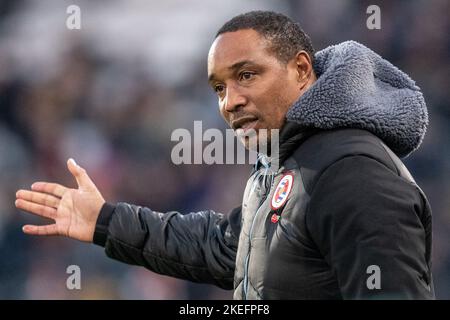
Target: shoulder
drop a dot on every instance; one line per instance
(325, 148)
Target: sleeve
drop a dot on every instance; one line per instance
(366, 222)
(199, 246)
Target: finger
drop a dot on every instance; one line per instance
(80, 175)
(50, 188)
(37, 209)
(48, 230)
(39, 198)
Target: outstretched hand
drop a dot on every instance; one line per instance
(74, 211)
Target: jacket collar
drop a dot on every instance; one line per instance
(291, 136)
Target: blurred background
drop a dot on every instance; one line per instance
(111, 94)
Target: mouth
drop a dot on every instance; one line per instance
(244, 124)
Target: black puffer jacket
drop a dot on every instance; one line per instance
(340, 204)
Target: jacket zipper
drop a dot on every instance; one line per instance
(247, 258)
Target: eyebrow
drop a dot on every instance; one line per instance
(233, 67)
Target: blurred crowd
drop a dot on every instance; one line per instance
(110, 95)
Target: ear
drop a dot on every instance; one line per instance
(304, 68)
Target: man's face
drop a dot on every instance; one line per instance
(255, 89)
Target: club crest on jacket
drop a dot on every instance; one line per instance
(282, 191)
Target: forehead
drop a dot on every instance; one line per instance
(232, 47)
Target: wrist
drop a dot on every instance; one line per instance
(101, 227)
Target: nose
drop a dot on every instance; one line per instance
(234, 99)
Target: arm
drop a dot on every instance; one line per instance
(362, 214)
(199, 246)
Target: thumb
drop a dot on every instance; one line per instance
(83, 180)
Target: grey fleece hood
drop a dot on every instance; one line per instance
(356, 88)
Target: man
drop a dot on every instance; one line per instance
(340, 217)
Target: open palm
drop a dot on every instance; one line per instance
(74, 211)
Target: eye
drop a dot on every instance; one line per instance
(219, 88)
(246, 75)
